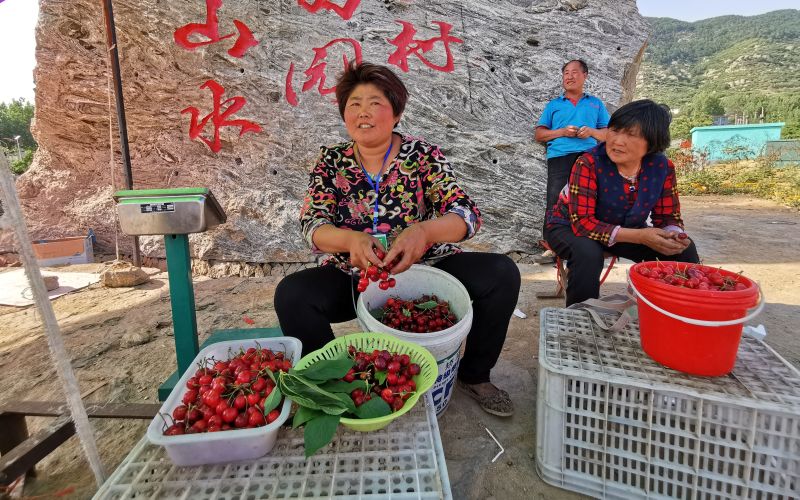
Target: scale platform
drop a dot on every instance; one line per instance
(144, 212)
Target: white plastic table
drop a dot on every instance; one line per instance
(404, 460)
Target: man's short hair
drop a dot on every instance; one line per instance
(649, 118)
(583, 64)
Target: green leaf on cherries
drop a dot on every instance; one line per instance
(377, 313)
(346, 400)
(273, 400)
(406, 313)
(303, 415)
(334, 410)
(342, 386)
(326, 369)
(425, 306)
(319, 432)
(380, 377)
(374, 408)
(308, 388)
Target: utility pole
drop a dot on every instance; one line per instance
(111, 41)
(19, 152)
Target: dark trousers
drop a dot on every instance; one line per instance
(585, 260)
(308, 301)
(558, 170)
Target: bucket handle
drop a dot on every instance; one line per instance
(700, 322)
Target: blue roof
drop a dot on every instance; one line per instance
(750, 125)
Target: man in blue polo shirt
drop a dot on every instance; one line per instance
(570, 124)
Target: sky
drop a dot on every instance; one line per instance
(17, 44)
(694, 10)
(18, 24)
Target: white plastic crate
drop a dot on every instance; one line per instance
(223, 446)
(402, 461)
(612, 423)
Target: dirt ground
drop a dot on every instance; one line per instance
(121, 346)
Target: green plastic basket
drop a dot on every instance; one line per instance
(368, 342)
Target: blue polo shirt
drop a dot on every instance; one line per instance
(560, 112)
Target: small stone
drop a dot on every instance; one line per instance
(575, 5)
(123, 274)
(131, 339)
(50, 282)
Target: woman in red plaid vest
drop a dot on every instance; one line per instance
(614, 188)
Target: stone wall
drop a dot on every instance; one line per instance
(482, 113)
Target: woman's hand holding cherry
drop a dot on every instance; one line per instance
(363, 250)
(381, 274)
(408, 248)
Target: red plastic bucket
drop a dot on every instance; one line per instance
(689, 330)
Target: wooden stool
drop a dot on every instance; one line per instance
(561, 274)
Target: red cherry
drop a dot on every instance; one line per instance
(174, 430)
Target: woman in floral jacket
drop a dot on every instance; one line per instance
(383, 184)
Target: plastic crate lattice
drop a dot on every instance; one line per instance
(613, 423)
(402, 461)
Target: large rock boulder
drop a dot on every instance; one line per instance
(482, 113)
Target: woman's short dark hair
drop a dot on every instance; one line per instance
(380, 76)
(649, 118)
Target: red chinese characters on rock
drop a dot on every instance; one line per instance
(210, 31)
(345, 11)
(407, 45)
(223, 109)
(316, 72)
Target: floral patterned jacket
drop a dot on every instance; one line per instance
(417, 185)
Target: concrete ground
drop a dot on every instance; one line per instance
(121, 347)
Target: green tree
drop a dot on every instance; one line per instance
(21, 165)
(682, 125)
(15, 120)
(707, 104)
